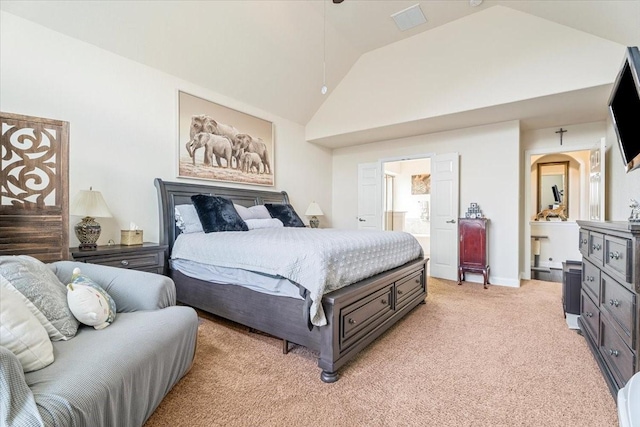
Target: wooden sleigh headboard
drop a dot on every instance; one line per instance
(34, 187)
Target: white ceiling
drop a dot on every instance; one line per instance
(269, 53)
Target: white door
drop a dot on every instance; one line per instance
(369, 196)
(445, 183)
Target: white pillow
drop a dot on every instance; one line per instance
(255, 224)
(187, 219)
(259, 212)
(21, 332)
(244, 212)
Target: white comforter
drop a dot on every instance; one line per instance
(319, 260)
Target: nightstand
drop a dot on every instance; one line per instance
(148, 257)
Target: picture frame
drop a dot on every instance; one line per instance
(421, 184)
(219, 143)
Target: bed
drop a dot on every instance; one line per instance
(355, 314)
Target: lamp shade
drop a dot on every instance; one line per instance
(314, 210)
(89, 203)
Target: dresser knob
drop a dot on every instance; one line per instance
(384, 302)
(596, 247)
(584, 241)
(614, 255)
(588, 314)
(124, 262)
(417, 280)
(616, 303)
(351, 321)
(399, 292)
(614, 353)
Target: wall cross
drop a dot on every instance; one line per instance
(561, 131)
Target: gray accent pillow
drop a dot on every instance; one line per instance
(46, 295)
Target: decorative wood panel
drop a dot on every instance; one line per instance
(34, 186)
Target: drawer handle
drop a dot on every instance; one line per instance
(614, 302)
(399, 292)
(588, 314)
(384, 302)
(583, 241)
(614, 353)
(590, 278)
(124, 262)
(614, 255)
(351, 321)
(417, 280)
(596, 247)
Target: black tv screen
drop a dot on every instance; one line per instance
(624, 108)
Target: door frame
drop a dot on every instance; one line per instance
(526, 273)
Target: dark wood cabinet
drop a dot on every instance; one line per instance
(145, 257)
(571, 286)
(609, 310)
(474, 248)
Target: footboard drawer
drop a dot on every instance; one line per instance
(619, 358)
(358, 318)
(407, 288)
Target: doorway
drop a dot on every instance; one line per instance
(407, 199)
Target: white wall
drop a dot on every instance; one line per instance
(493, 57)
(621, 186)
(489, 175)
(123, 124)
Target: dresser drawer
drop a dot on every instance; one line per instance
(584, 242)
(363, 315)
(618, 261)
(596, 247)
(590, 316)
(621, 305)
(617, 355)
(135, 261)
(407, 288)
(591, 279)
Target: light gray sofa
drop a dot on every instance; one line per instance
(116, 376)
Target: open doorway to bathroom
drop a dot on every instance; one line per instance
(407, 198)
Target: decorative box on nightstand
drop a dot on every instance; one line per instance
(145, 257)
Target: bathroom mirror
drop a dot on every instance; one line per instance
(553, 186)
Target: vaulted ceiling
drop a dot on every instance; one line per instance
(269, 53)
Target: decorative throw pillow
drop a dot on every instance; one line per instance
(21, 332)
(217, 214)
(89, 303)
(187, 219)
(45, 295)
(244, 212)
(285, 213)
(255, 224)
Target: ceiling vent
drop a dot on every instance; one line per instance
(409, 17)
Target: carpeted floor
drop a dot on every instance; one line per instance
(469, 357)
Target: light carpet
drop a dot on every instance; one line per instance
(468, 357)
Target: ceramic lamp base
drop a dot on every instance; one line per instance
(87, 232)
(314, 222)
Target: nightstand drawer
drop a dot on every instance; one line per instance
(135, 261)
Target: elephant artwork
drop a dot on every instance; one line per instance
(215, 146)
(250, 160)
(205, 124)
(219, 143)
(247, 143)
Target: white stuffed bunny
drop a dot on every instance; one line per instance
(89, 303)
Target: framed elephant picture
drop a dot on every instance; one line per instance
(222, 144)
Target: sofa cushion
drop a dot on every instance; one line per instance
(21, 332)
(116, 376)
(46, 295)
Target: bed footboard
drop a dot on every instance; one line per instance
(360, 313)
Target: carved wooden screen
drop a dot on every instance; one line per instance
(34, 201)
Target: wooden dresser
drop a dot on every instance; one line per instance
(474, 248)
(609, 313)
(148, 257)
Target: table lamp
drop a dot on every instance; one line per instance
(314, 212)
(88, 204)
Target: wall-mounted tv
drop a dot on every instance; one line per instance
(624, 108)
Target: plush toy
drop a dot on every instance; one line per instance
(89, 303)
